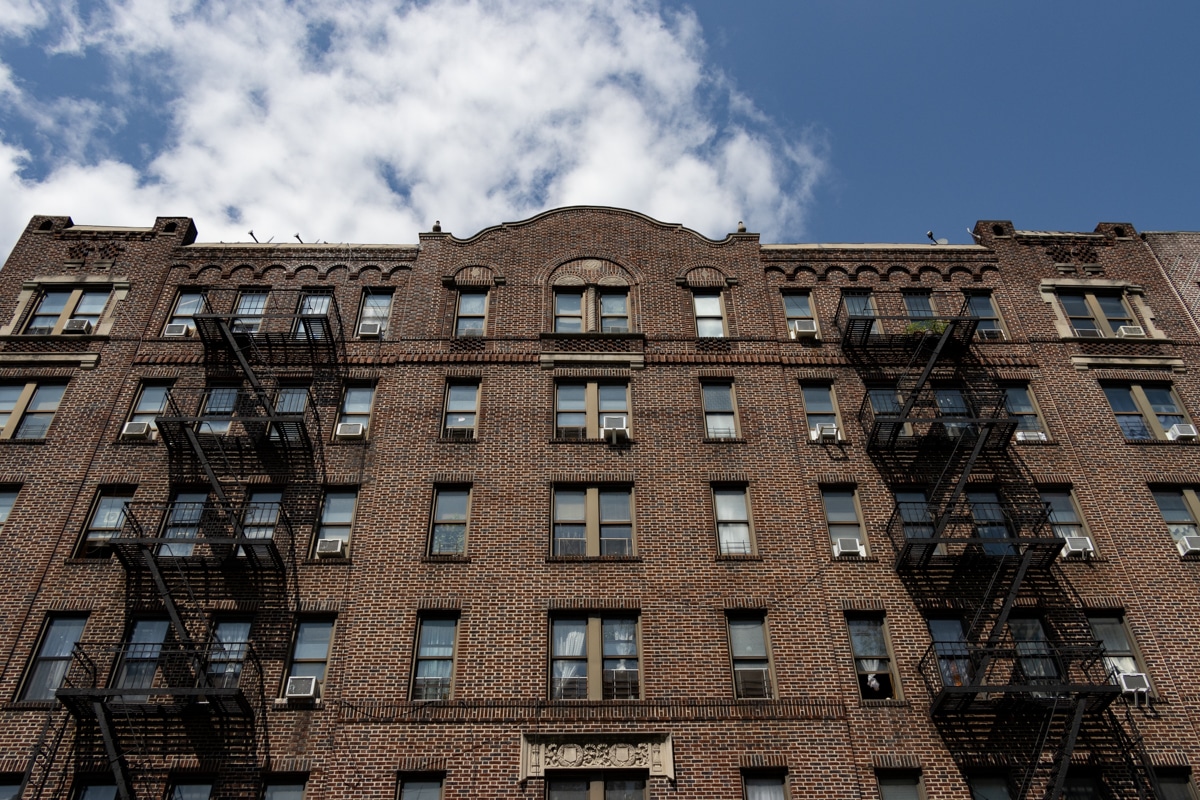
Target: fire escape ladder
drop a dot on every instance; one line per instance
(1061, 763)
(1132, 746)
(116, 761)
(45, 751)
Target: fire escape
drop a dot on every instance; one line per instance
(241, 448)
(1016, 679)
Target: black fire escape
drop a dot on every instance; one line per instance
(251, 436)
(1016, 679)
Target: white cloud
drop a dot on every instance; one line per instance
(480, 111)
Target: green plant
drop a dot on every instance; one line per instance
(927, 326)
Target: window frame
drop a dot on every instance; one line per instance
(712, 413)
(285, 784)
(790, 319)
(294, 659)
(913, 778)
(699, 318)
(593, 412)
(173, 792)
(1190, 502)
(325, 525)
(593, 521)
(594, 657)
(361, 417)
(93, 541)
(724, 524)
(1103, 323)
(406, 780)
(462, 330)
(777, 777)
(175, 317)
(250, 320)
(863, 673)
(442, 691)
(1023, 414)
(435, 521)
(1144, 408)
(364, 306)
(832, 416)
(74, 298)
(597, 781)
(1130, 650)
(23, 409)
(759, 619)
(858, 522)
(40, 658)
(149, 415)
(1067, 503)
(460, 432)
(992, 317)
(8, 501)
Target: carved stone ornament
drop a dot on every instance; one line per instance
(651, 752)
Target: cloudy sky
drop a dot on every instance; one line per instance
(829, 121)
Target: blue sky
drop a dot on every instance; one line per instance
(812, 121)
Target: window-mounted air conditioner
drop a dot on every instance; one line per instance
(848, 546)
(614, 427)
(370, 330)
(1134, 682)
(78, 326)
(301, 688)
(1189, 546)
(136, 430)
(1031, 436)
(471, 332)
(825, 432)
(1078, 547)
(1131, 332)
(803, 329)
(331, 548)
(350, 430)
(990, 334)
(177, 329)
(1181, 430)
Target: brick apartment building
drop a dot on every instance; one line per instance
(591, 506)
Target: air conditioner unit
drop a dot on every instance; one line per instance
(471, 332)
(615, 427)
(1189, 546)
(803, 329)
(78, 326)
(136, 430)
(370, 330)
(1131, 332)
(1078, 547)
(177, 329)
(848, 546)
(1181, 430)
(301, 688)
(1031, 436)
(825, 432)
(990, 334)
(1134, 682)
(350, 430)
(331, 548)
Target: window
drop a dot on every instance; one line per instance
(375, 310)
(261, 514)
(187, 305)
(1035, 657)
(989, 787)
(990, 521)
(248, 311)
(951, 403)
(151, 402)
(862, 305)
(797, 309)
(56, 306)
(915, 516)
(181, 528)
(1179, 509)
(139, 658)
(27, 410)
(97, 791)
(217, 409)
(450, 513)
(844, 522)
(820, 411)
(337, 515)
(899, 786)
(593, 521)
(434, 672)
(191, 791)
(872, 658)
(614, 310)
(422, 787)
(10, 787)
(750, 657)
(105, 521)
(1064, 515)
(311, 650)
(1172, 784)
(462, 403)
(764, 787)
(49, 667)
(950, 644)
(594, 658)
(568, 312)
(734, 537)
(290, 401)
(597, 788)
(356, 407)
(8, 499)
(313, 316)
(1093, 314)
(472, 314)
(1081, 786)
(1145, 412)
(1120, 657)
(989, 326)
(720, 412)
(918, 305)
(710, 314)
(231, 638)
(1019, 403)
(284, 791)
(582, 410)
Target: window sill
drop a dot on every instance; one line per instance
(26, 442)
(80, 561)
(445, 558)
(592, 559)
(565, 440)
(724, 440)
(285, 704)
(739, 557)
(852, 558)
(31, 705)
(1164, 442)
(555, 335)
(1034, 442)
(328, 562)
(457, 439)
(890, 703)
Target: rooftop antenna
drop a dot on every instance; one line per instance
(298, 239)
(936, 241)
(974, 235)
(252, 236)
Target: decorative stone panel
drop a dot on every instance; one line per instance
(652, 752)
